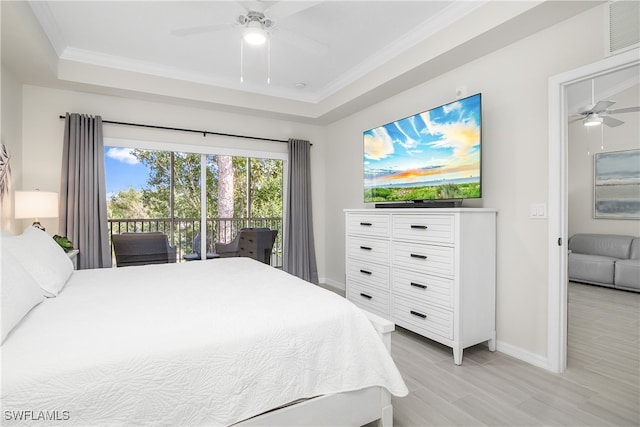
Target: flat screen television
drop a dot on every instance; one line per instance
(430, 156)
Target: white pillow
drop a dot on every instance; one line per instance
(20, 293)
(43, 258)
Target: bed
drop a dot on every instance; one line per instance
(219, 342)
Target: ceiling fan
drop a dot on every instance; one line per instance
(257, 19)
(600, 113)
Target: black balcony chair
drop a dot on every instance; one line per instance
(256, 243)
(196, 250)
(142, 248)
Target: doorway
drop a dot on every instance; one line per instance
(558, 197)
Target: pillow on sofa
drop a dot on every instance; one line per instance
(20, 293)
(42, 257)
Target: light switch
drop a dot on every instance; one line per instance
(538, 210)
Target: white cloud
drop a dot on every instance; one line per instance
(124, 155)
(377, 145)
(451, 107)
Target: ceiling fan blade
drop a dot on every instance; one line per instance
(284, 9)
(601, 106)
(576, 119)
(611, 122)
(201, 29)
(624, 110)
(301, 42)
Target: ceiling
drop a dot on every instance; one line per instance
(586, 93)
(146, 36)
(326, 59)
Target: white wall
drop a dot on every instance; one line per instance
(11, 137)
(514, 85)
(583, 143)
(43, 133)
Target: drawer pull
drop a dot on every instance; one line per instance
(366, 272)
(366, 224)
(418, 256)
(418, 285)
(365, 296)
(419, 227)
(420, 315)
(365, 248)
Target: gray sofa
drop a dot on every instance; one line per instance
(606, 260)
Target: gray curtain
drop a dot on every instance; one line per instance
(83, 202)
(299, 250)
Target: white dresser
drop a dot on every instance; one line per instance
(431, 271)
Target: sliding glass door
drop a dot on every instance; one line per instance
(163, 190)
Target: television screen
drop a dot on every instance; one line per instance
(434, 155)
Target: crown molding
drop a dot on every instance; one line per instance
(43, 13)
(150, 68)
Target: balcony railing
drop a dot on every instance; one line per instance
(181, 231)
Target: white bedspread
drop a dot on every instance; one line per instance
(200, 343)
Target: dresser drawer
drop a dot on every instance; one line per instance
(367, 272)
(370, 299)
(368, 249)
(429, 259)
(368, 225)
(424, 228)
(422, 287)
(422, 318)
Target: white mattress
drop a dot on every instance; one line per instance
(200, 343)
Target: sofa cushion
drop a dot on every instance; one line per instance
(627, 274)
(608, 245)
(591, 268)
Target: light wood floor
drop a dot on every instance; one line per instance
(601, 386)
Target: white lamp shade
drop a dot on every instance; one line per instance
(36, 204)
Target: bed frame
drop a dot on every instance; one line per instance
(355, 408)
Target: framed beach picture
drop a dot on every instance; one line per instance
(617, 185)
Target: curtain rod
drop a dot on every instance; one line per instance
(203, 132)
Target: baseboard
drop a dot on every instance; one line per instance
(521, 354)
(332, 283)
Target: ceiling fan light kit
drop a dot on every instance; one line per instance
(245, 40)
(254, 34)
(593, 120)
(256, 28)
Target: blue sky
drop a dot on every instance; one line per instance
(444, 141)
(123, 170)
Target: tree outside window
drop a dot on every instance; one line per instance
(153, 190)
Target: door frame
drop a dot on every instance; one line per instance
(558, 199)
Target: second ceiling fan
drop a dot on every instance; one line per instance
(599, 113)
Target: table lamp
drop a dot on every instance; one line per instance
(36, 204)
